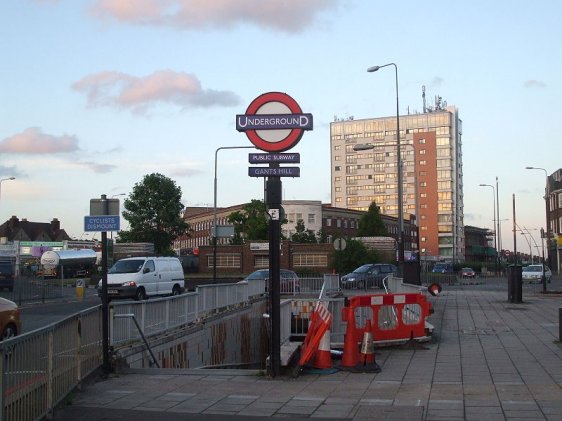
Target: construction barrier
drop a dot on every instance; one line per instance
(394, 317)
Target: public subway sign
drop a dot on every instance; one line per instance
(274, 122)
(268, 158)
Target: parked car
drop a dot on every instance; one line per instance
(443, 267)
(368, 276)
(7, 275)
(468, 273)
(10, 323)
(533, 273)
(289, 280)
(141, 277)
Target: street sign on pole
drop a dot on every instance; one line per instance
(274, 172)
(274, 122)
(97, 207)
(266, 158)
(101, 223)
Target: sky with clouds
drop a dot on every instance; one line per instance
(95, 94)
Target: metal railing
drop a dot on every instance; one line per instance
(156, 316)
(40, 368)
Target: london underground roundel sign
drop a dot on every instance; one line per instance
(274, 122)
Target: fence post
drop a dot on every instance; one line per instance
(50, 368)
(2, 381)
(78, 361)
(560, 324)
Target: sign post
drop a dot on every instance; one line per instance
(274, 123)
(100, 219)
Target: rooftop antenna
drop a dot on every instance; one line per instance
(423, 97)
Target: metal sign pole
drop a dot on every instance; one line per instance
(274, 202)
(104, 299)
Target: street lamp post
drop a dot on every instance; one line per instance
(495, 233)
(5, 179)
(115, 195)
(215, 207)
(400, 187)
(546, 197)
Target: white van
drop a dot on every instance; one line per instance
(143, 277)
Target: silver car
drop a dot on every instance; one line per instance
(533, 273)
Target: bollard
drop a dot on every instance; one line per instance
(80, 288)
(514, 284)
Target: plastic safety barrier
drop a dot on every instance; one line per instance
(394, 316)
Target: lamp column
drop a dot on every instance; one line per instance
(399, 169)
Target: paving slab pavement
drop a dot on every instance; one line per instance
(488, 359)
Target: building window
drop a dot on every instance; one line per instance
(338, 223)
(337, 168)
(225, 260)
(310, 259)
(328, 222)
(423, 162)
(421, 141)
(261, 261)
(311, 218)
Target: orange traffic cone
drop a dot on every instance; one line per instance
(367, 347)
(323, 357)
(350, 356)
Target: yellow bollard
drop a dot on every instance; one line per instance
(80, 288)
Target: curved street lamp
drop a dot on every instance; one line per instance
(5, 179)
(215, 206)
(400, 187)
(546, 197)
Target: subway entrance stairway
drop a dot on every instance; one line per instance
(488, 359)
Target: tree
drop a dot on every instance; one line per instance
(302, 235)
(250, 223)
(354, 255)
(371, 224)
(153, 211)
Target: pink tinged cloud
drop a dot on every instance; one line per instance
(139, 93)
(34, 141)
(282, 15)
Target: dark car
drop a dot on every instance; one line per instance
(289, 280)
(468, 273)
(368, 276)
(443, 267)
(7, 275)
